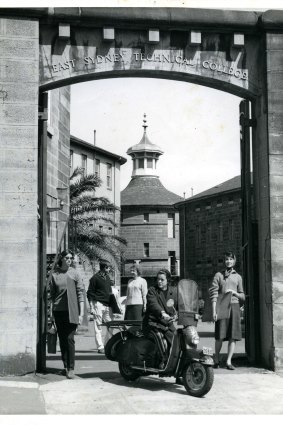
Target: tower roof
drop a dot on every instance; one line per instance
(145, 144)
(146, 190)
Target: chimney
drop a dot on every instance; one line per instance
(94, 137)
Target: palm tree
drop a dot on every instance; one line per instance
(88, 211)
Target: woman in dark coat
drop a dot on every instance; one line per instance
(158, 314)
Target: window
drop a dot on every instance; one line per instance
(146, 217)
(197, 208)
(231, 229)
(197, 234)
(219, 203)
(208, 206)
(109, 176)
(209, 261)
(171, 225)
(146, 249)
(71, 160)
(220, 231)
(97, 168)
(220, 261)
(84, 164)
(149, 163)
(141, 163)
(110, 230)
(230, 200)
(101, 228)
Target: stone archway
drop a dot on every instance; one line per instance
(238, 52)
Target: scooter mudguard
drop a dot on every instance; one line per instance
(195, 355)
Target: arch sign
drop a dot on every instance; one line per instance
(210, 59)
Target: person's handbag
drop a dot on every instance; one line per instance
(52, 339)
(115, 304)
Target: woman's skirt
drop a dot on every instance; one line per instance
(134, 312)
(226, 329)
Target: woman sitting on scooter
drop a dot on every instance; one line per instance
(158, 315)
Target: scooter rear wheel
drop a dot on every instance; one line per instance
(198, 379)
(128, 373)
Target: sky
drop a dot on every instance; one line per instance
(196, 127)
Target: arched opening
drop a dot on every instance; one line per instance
(217, 159)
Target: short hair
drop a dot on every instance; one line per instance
(230, 254)
(138, 270)
(166, 272)
(63, 254)
(103, 264)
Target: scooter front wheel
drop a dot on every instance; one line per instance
(128, 373)
(198, 379)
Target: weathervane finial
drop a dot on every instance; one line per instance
(144, 122)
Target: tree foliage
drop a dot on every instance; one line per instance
(89, 215)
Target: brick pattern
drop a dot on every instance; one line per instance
(201, 257)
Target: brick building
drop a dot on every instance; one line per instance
(210, 223)
(149, 222)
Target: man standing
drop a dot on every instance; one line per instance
(98, 294)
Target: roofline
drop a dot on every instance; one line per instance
(76, 140)
(191, 200)
(144, 16)
(153, 206)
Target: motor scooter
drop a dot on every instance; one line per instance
(139, 355)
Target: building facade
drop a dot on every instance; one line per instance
(106, 165)
(149, 221)
(210, 224)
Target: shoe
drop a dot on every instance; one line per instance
(64, 372)
(179, 381)
(230, 367)
(101, 351)
(216, 366)
(70, 374)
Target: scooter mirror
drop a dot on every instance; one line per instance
(170, 303)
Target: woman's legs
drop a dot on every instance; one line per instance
(231, 349)
(218, 346)
(66, 333)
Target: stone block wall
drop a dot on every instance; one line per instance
(58, 164)
(274, 297)
(19, 78)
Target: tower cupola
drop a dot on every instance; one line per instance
(145, 155)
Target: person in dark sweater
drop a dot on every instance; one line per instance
(98, 294)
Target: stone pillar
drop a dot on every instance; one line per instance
(274, 44)
(19, 47)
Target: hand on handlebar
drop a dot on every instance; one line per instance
(166, 316)
(214, 317)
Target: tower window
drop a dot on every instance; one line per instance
(141, 163)
(146, 217)
(149, 163)
(146, 249)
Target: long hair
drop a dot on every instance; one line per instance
(63, 254)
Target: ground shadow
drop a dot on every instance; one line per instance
(148, 383)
